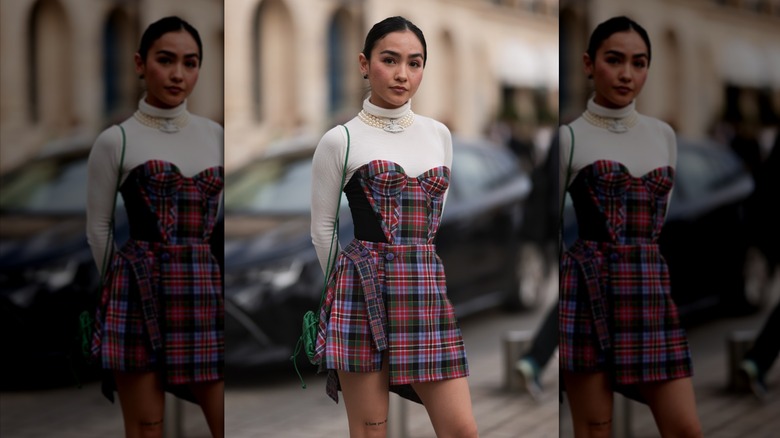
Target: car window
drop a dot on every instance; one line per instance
(702, 170)
(470, 173)
(270, 186)
(477, 170)
(48, 186)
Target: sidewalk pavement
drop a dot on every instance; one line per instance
(277, 407)
(269, 408)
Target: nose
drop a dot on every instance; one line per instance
(625, 73)
(400, 73)
(177, 72)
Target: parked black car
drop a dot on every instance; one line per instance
(705, 237)
(47, 275)
(273, 276)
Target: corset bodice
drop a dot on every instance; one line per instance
(614, 206)
(165, 206)
(408, 208)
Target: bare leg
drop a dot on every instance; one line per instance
(674, 407)
(590, 397)
(211, 398)
(366, 398)
(143, 403)
(448, 403)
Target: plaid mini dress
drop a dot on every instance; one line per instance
(391, 297)
(161, 307)
(616, 311)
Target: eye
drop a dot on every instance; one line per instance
(191, 64)
(388, 60)
(415, 64)
(613, 60)
(164, 60)
(640, 64)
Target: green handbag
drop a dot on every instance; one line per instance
(311, 319)
(87, 317)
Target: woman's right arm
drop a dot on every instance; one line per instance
(326, 186)
(102, 173)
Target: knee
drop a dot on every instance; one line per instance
(692, 430)
(151, 429)
(467, 431)
(459, 429)
(599, 428)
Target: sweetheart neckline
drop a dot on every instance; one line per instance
(176, 168)
(403, 171)
(625, 170)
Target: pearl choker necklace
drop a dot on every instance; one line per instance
(612, 124)
(169, 125)
(387, 124)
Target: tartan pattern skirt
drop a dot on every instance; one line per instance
(616, 310)
(162, 307)
(390, 298)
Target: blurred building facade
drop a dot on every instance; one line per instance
(292, 65)
(712, 60)
(67, 66)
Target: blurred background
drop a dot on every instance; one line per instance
(292, 74)
(715, 78)
(67, 73)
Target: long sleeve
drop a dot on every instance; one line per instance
(103, 170)
(327, 168)
(424, 145)
(197, 146)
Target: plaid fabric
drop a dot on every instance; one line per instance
(162, 304)
(616, 312)
(392, 296)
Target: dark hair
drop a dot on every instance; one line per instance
(163, 26)
(388, 25)
(614, 25)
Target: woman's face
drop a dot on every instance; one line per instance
(395, 69)
(170, 69)
(619, 70)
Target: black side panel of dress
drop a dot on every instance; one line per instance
(368, 226)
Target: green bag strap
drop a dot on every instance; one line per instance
(85, 319)
(307, 325)
(330, 263)
(110, 231)
(565, 187)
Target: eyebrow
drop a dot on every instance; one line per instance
(623, 55)
(396, 54)
(169, 53)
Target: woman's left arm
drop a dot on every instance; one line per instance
(446, 139)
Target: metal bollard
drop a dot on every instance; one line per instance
(173, 421)
(397, 418)
(737, 344)
(516, 342)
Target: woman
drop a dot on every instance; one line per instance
(619, 329)
(159, 323)
(386, 323)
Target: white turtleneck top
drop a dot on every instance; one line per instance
(645, 146)
(197, 146)
(422, 146)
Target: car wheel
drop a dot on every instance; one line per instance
(530, 277)
(757, 276)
